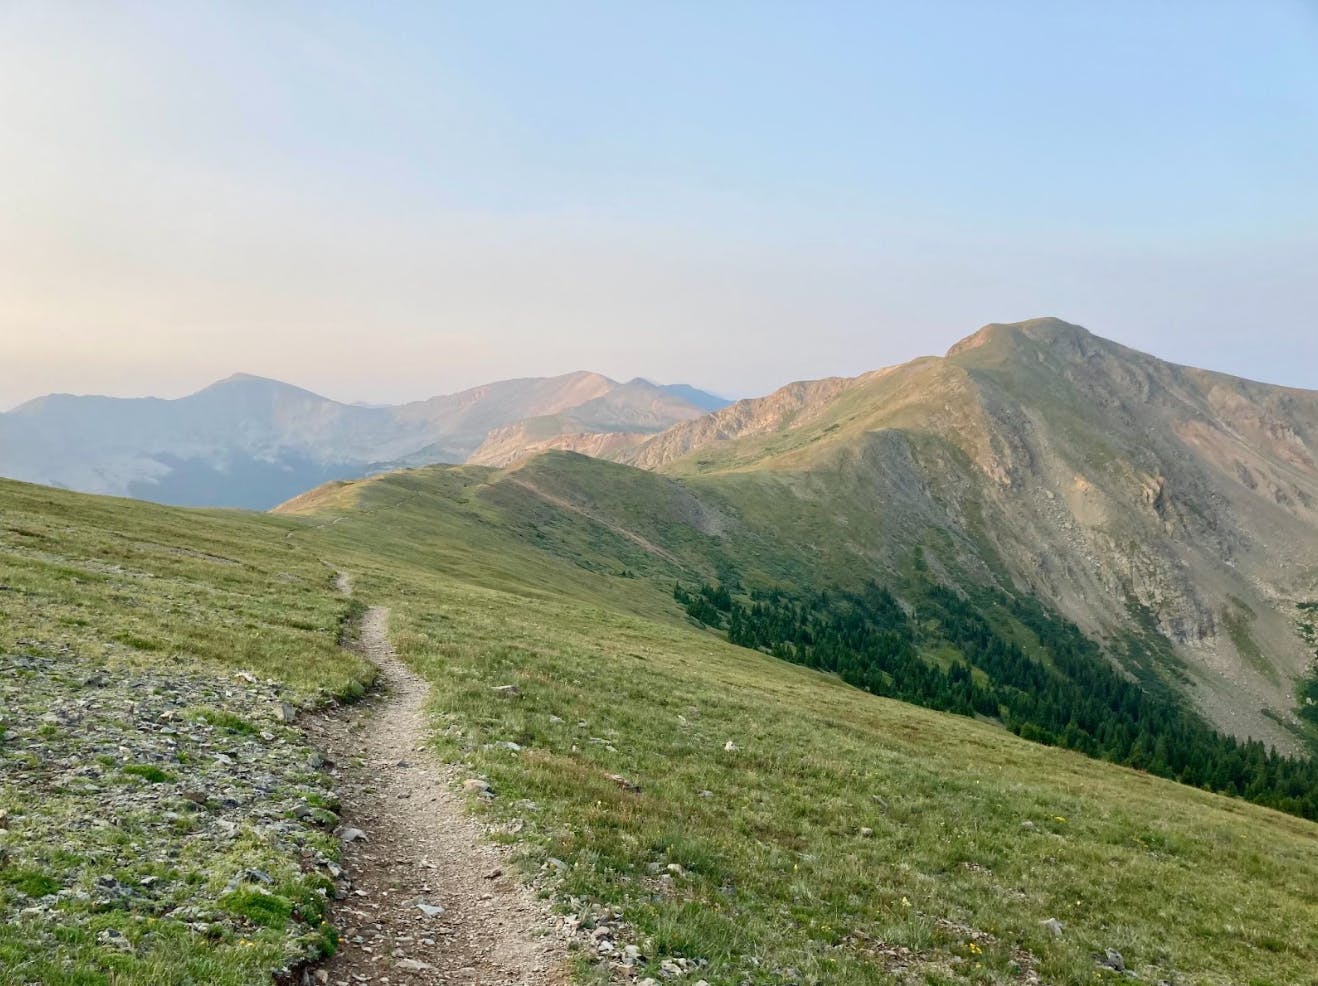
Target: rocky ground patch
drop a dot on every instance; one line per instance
(157, 826)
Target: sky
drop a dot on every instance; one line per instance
(383, 202)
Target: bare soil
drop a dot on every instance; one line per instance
(421, 847)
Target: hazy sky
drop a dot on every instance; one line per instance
(384, 201)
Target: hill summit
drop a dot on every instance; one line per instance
(1135, 495)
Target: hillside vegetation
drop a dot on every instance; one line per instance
(685, 751)
(770, 820)
(1138, 498)
(149, 780)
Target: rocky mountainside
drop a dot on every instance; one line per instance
(1170, 511)
(251, 442)
(615, 420)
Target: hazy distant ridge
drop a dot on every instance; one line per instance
(248, 441)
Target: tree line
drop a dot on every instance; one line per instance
(940, 650)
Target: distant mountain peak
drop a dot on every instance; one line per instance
(1007, 334)
(249, 440)
(236, 379)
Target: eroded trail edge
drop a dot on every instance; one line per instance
(428, 899)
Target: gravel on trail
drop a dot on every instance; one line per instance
(428, 898)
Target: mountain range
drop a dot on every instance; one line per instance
(252, 442)
(1170, 513)
(996, 666)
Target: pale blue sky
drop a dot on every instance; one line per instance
(386, 201)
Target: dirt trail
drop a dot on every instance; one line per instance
(421, 847)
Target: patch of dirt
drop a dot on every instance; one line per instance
(419, 851)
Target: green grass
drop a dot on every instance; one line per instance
(840, 830)
(974, 837)
(149, 772)
(122, 582)
(31, 883)
(95, 583)
(228, 721)
(973, 832)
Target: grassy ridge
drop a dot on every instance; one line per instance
(763, 818)
(844, 839)
(120, 580)
(146, 792)
(975, 837)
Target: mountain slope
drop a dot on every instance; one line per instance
(251, 442)
(704, 803)
(811, 827)
(1133, 495)
(616, 419)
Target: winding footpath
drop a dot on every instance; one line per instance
(429, 901)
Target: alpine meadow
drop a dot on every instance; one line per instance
(515, 494)
(714, 747)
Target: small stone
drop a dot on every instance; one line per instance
(494, 874)
(430, 910)
(414, 965)
(623, 783)
(115, 939)
(1111, 959)
(287, 712)
(474, 785)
